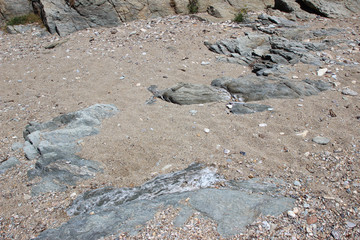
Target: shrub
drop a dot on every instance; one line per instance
(193, 6)
(25, 19)
(241, 16)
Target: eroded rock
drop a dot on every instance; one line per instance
(55, 143)
(105, 211)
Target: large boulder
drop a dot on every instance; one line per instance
(326, 8)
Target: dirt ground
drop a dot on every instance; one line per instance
(116, 66)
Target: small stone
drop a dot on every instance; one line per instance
(350, 224)
(205, 63)
(262, 125)
(306, 205)
(193, 112)
(311, 220)
(335, 234)
(206, 130)
(321, 71)
(291, 214)
(295, 77)
(113, 31)
(27, 197)
(73, 195)
(347, 91)
(302, 134)
(266, 225)
(296, 210)
(297, 183)
(122, 77)
(226, 151)
(321, 140)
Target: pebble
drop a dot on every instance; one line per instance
(206, 130)
(311, 220)
(291, 214)
(321, 140)
(297, 183)
(302, 134)
(193, 112)
(348, 91)
(306, 205)
(321, 71)
(266, 225)
(226, 151)
(262, 125)
(205, 63)
(335, 234)
(350, 224)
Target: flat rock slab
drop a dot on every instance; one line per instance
(11, 162)
(247, 108)
(255, 88)
(54, 143)
(186, 93)
(113, 210)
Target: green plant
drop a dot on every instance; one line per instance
(25, 19)
(193, 6)
(241, 16)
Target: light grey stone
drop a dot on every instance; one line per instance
(16, 146)
(30, 151)
(11, 162)
(321, 140)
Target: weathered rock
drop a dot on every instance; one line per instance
(55, 143)
(30, 151)
(14, 8)
(17, 145)
(326, 8)
(253, 88)
(247, 108)
(348, 91)
(11, 162)
(185, 94)
(125, 209)
(64, 17)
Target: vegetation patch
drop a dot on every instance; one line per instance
(241, 16)
(193, 6)
(25, 19)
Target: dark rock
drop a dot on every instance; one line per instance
(11, 162)
(247, 108)
(185, 93)
(253, 88)
(55, 143)
(105, 211)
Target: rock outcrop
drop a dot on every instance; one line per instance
(14, 8)
(108, 210)
(56, 143)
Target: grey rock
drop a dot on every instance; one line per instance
(328, 8)
(30, 151)
(253, 88)
(185, 94)
(126, 209)
(348, 91)
(247, 108)
(17, 145)
(321, 140)
(350, 224)
(11, 162)
(297, 183)
(55, 143)
(14, 8)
